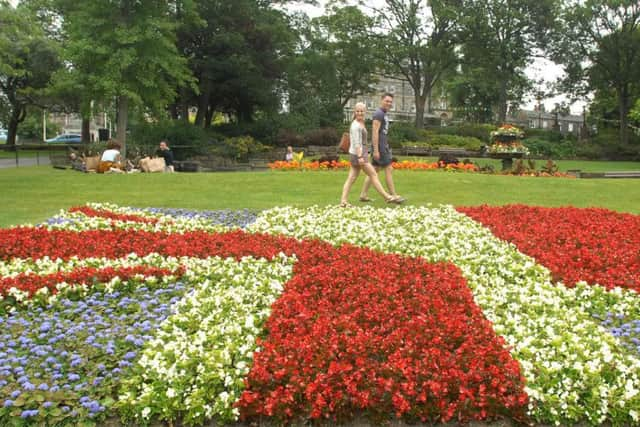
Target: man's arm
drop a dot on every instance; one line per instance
(375, 139)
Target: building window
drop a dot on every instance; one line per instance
(570, 126)
(532, 124)
(545, 124)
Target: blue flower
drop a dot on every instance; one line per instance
(8, 403)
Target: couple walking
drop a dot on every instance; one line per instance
(359, 156)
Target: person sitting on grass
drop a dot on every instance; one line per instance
(111, 158)
(165, 152)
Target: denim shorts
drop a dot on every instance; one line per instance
(384, 161)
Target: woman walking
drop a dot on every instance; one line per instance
(359, 159)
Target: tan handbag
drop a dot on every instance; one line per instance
(345, 142)
(156, 164)
(92, 163)
(144, 164)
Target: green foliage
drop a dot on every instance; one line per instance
(239, 148)
(545, 148)
(400, 132)
(184, 139)
(239, 51)
(27, 61)
(498, 41)
(31, 127)
(599, 46)
(418, 41)
(544, 134)
(336, 63)
(325, 137)
(466, 142)
(479, 131)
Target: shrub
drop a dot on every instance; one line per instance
(324, 137)
(468, 143)
(288, 137)
(565, 149)
(240, 148)
(544, 134)
(479, 131)
(400, 132)
(184, 139)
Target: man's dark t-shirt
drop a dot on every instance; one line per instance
(383, 143)
(167, 155)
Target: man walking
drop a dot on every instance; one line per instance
(381, 149)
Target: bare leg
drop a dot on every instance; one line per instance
(388, 175)
(364, 194)
(373, 178)
(353, 175)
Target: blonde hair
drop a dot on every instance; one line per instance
(358, 105)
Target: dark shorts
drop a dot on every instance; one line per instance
(353, 159)
(385, 159)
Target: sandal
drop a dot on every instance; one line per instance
(395, 199)
(345, 205)
(365, 199)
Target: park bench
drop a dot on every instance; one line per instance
(416, 151)
(622, 174)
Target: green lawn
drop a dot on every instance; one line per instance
(35, 193)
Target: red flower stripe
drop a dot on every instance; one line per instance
(397, 336)
(90, 212)
(39, 243)
(594, 245)
(31, 283)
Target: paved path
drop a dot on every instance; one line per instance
(23, 162)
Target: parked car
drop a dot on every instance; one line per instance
(65, 138)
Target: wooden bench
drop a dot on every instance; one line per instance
(622, 174)
(417, 151)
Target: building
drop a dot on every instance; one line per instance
(72, 123)
(540, 119)
(404, 107)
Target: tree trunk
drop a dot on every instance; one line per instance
(173, 111)
(502, 102)
(209, 116)
(123, 116)
(203, 103)
(420, 101)
(184, 105)
(624, 111)
(86, 130)
(17, 116)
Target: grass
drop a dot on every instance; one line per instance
(32, 194)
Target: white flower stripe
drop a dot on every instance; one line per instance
(194, 368)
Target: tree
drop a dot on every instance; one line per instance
(126, 51)
(500, 38)
(238, 53)
(599, 47)
(28, 60)
(418, 41)
(335, 62)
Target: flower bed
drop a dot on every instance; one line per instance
(182, 319)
